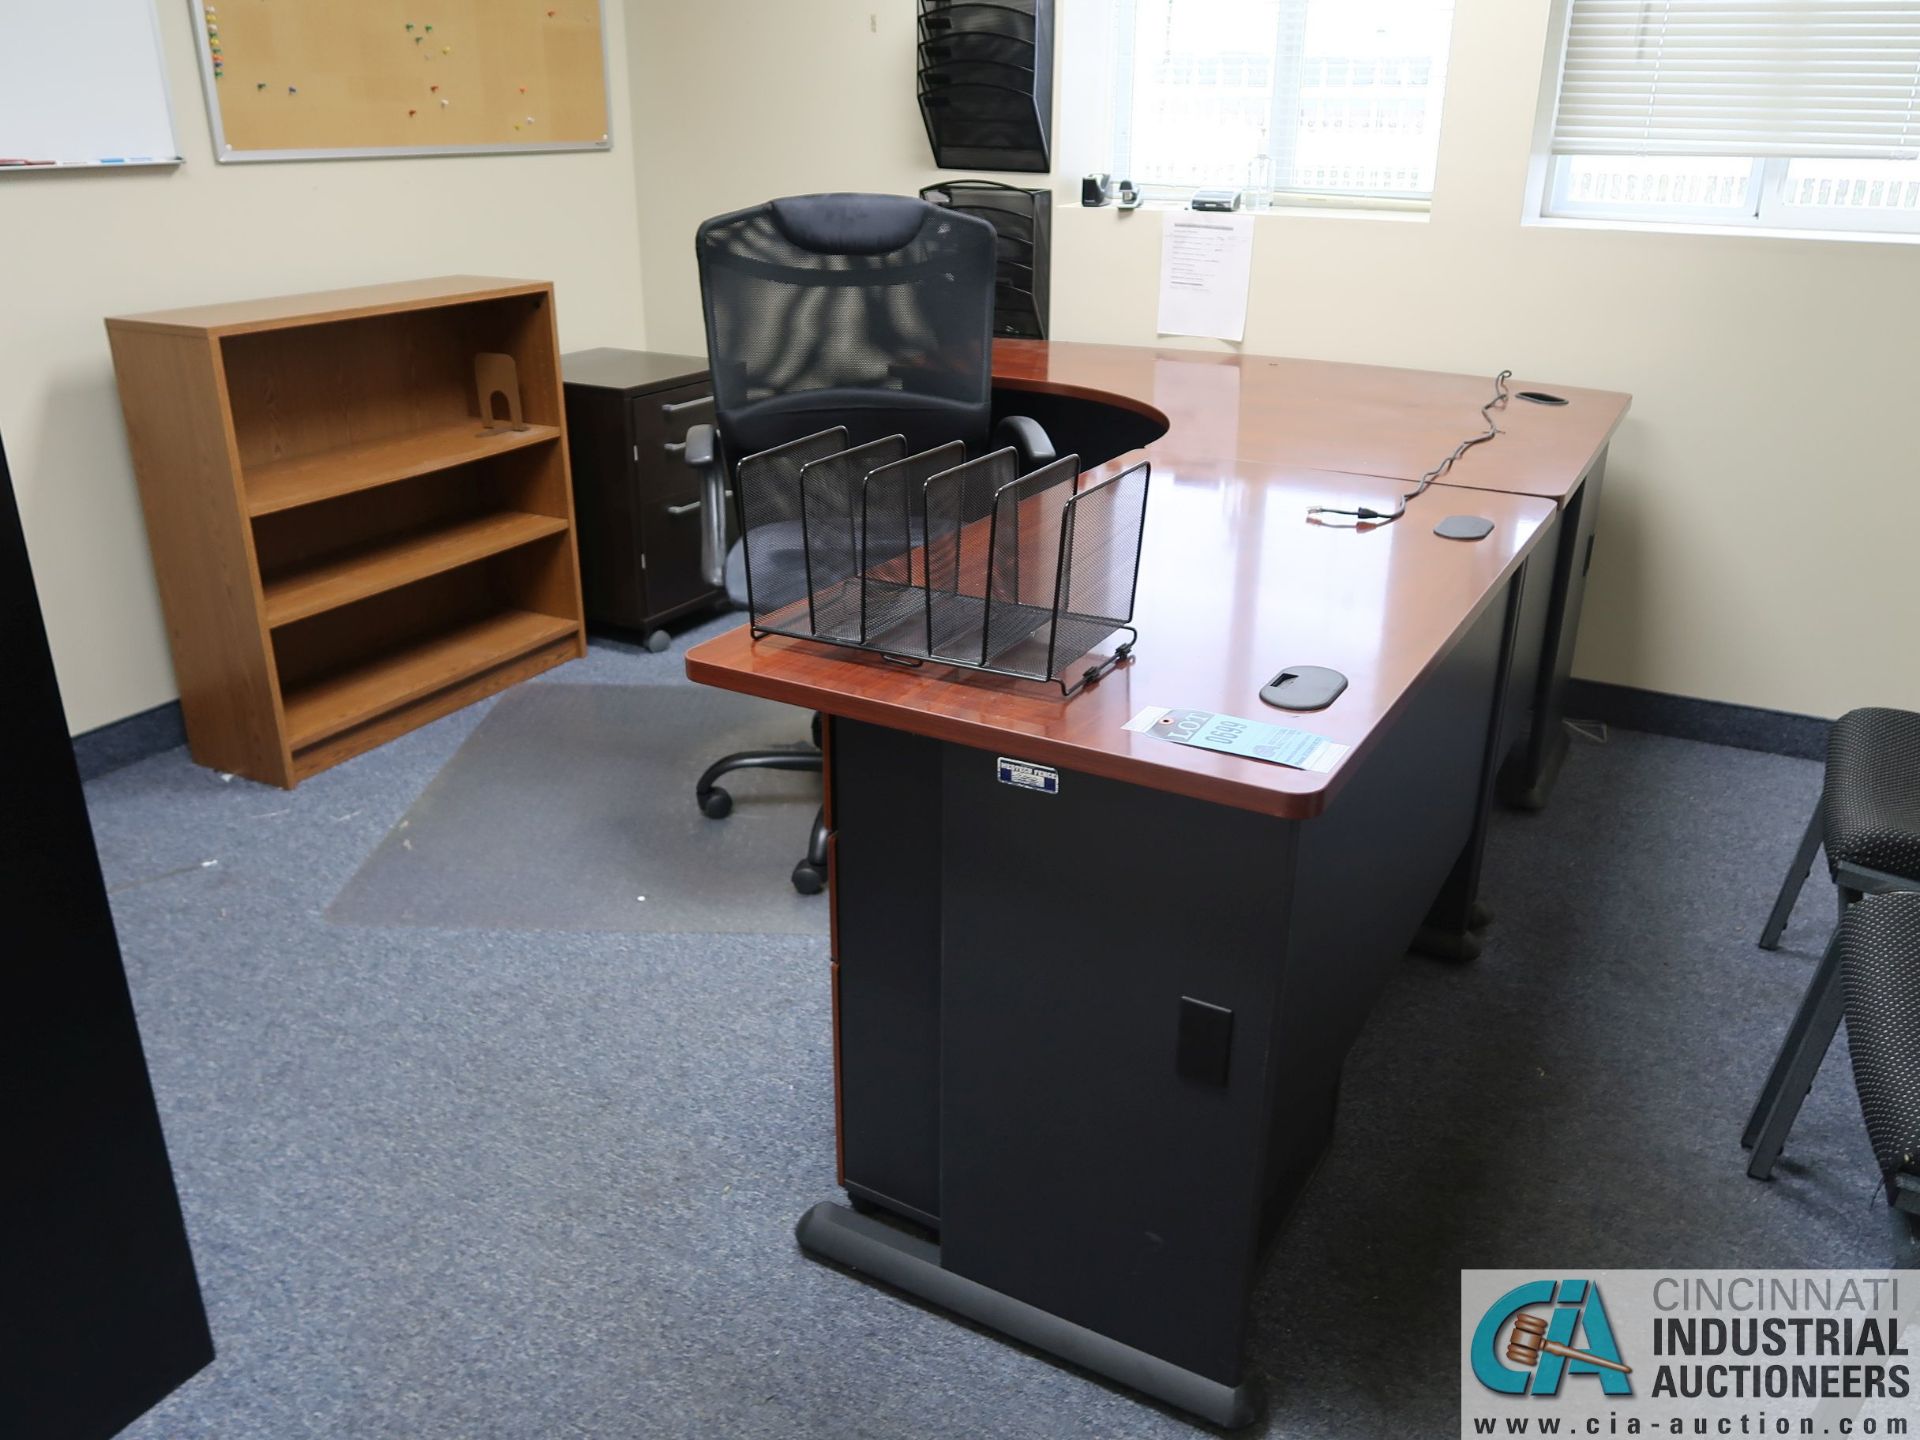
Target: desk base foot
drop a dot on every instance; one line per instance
(1442, 944)
(1527, 781)
(906, 1262)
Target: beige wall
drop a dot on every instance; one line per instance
(1762, 494)
(1762, 497)
(79, 246)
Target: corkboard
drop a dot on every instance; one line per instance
(311, 79)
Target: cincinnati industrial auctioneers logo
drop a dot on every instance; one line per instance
(1704, 1352)
(1543, 1349)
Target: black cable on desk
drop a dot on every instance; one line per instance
(1368, 516)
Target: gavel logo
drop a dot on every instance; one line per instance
(1527, 1342)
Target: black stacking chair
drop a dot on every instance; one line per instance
(872, 312)
(1868, 819)
(1880, 970)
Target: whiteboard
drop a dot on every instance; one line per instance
(83, 82)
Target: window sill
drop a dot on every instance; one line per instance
(1695, 227)
(1285, 211)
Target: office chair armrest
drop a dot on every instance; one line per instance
(1028, 438)
(701, 446)
(703, 453)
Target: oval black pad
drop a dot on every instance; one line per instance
(1464, 527)
(1304, 687)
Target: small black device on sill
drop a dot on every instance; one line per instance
(1096, 190)
(1215, 200)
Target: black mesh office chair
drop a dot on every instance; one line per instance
(869, 312)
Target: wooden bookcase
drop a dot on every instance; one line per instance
(344, 552)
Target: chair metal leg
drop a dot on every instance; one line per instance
(817, 841)
(1790, 887)
(810, 875)
(715, 803)
(1806, 1045)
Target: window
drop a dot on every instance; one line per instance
(1296, 98)
(1776, 114)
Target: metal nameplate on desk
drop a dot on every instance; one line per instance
(1231, 735)
(1025, 775)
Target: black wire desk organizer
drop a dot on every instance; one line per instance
(936, 557)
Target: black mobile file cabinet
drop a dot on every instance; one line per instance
(636, 501)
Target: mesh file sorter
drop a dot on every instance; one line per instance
(936, 557)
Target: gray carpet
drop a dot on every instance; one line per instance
(500, 1183)
(571, 808)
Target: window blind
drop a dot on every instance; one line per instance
(1799, 78)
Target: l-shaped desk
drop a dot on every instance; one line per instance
(1089, 1041)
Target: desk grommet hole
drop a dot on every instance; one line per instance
(1541, 397)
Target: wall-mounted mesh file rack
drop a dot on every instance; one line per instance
(986, 82)
(937, 557)
(1022, 223)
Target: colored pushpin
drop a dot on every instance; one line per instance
(446, 49)
(261, 86)
(530, 119)
(409, 27)
(292, 90)
(523, 89)
(418, 38)
(429, 29)
(434, 88)
(444, 102)
(412, 113)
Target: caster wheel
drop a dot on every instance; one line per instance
(657, 641)
(716, 804)
(807, 880)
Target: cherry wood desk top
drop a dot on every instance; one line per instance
(1364, 419)
(1235, 584)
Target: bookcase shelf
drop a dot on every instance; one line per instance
(324, 708)
(343, 579)
(344, 550)
(306, 479)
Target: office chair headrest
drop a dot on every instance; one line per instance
(850, 224)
